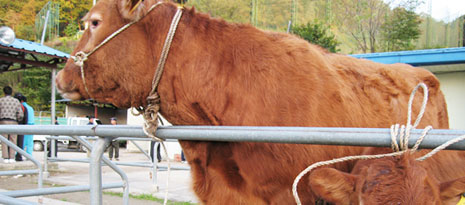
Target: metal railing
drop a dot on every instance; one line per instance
(375, 137)
(5, 198)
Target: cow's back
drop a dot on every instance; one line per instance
(383, 90)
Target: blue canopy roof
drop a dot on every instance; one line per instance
(441, 56)
(33, 47)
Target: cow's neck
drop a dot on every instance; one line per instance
(186, 82)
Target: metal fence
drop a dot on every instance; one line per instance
(377, 137)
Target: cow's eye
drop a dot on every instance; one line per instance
(95, 23)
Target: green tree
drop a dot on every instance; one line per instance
(72, 11)
(401, 29)
(362, 21)
(236, 11)
(71, 29)
(317, 33)
(33, 83)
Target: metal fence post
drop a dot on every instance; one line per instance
(124, 177)
(52, 148)
(95, 169)
(46, 173)
(154, 168)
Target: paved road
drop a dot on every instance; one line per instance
(140, 182)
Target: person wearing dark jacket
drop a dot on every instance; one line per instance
(20, 138)
(114, 145)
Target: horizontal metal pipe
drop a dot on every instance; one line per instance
(376, 137)
(57, 190)
(173, 167)
(131, 164)
(10, 200)
(118, 138)
(16, 172)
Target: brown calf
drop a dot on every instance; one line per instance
(390, 180)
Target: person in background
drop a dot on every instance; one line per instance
(114, 145)
(183, 158)
(10, 113)
(152, 146)
(20, 138)
(28, 139)
(91, 120)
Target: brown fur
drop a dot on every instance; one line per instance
(390, 180)
(218, 73)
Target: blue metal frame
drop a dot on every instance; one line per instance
(441, 56)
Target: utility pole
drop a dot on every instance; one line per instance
(463, 30)
(253, 13)
(294, 12)
(53, 87)
(428, 23)
(328, 12)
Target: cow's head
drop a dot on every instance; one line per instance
(121, 71)
(385, 181)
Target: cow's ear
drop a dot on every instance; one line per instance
(333, 185)
(132, 9)
(452, 191)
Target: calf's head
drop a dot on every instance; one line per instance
(396, 181)
(121, 71)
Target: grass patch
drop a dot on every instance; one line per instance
(147, 197)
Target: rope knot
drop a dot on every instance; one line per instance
(79, 58)
(150, 114)
(153, 99)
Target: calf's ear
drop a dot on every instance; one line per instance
(333, 185)
(451, 191)
(132, 9)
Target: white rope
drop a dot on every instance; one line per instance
(403, 136)
(168, 161)
(166, 49)
(333, 161)
(441, 147)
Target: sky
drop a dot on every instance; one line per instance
(445, 10)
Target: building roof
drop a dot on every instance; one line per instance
(33, 47)
(441, 56)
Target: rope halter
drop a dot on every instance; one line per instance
(150, 113)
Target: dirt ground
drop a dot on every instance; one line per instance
(30, 182)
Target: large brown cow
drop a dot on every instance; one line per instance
(218, 73)
(390, 180)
